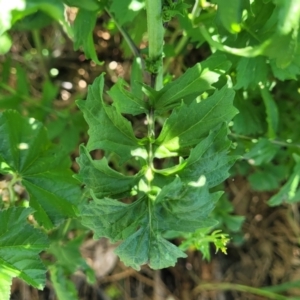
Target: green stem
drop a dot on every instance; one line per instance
(66, 227)
(151, 138)
(185, 38)
(276, 142)
(134, 49)
(246, 52)
(156, 41)
(38, 45)
(10, 187)
(238, 287)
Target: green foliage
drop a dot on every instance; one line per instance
(20, 245)
(290, 191)
(167, 177)
(125, 11)
(64, 288)
(185, 202)
(68, 260)
(230, 14)
(30, 14)
(27, 154)
(201, 240)
(83, 33)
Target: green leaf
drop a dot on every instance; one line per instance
(26, 150)
(222, 213)
(288, 73)
(210, 159)
(126, 10)
(125, 101)
(192, 83)
(52, 8)
(283, 48)
(5, 282)
(262, 152)
(250, 120)
(250, 72)
(136, 77)
(108, 129)
(145, 247)
(289, 15)
(290, 191)
(68, 256)
(34, 21)
(189, 123)
(103, 180)
(64, 288)
(117, 219)
(83, 33)
(6, 12)
(20, 245)
(262, 180)
(86, 4)
(271, 111)
(230, 14)
(141, 224)
(184, 207)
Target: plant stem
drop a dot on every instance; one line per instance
(151, 138)
(185, 38)
(38, 45)
(10, 187)
(155, 54)
(134, 49)
(155, 40)
(238, 287)
(246, 52)
(276, 142)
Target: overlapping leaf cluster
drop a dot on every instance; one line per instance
(174, 198)
(27, 155)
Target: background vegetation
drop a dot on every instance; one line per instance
(239, 109)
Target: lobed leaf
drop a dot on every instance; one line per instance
(27, 153)
(108, 129)
(184, 206)
(146, 247)
(20, 245)
(117, 219)
(141, 224)
(103, 180)
(192, 83)
(126, 102)
(189, 123)
(210, 159)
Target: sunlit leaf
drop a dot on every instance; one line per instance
(25, 148)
